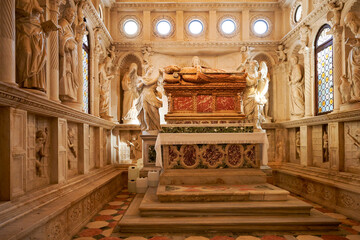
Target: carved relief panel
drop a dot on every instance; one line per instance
(38, 155)
(352, 146)
(72, 149)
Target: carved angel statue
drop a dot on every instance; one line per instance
(149, 101)
(281, 52)
(334, 15)
(147, 52)
(128, 84)
(261, 94)
(245, 53)
(353, 70)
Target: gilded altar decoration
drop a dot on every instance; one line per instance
(200, 92)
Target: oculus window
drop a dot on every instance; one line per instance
(324, 85)
(298, 14)
(196, 27)
(228, 27)
(260, 27)
(131, 27)
(164, 28)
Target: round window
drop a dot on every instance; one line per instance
(228, 26)
(131, 27)
(298, 13)
(196, 27)
(163, 27)
(260, 27)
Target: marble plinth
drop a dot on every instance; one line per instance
(220, 193)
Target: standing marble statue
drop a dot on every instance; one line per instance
(252, 79)
(128, 84)
(296, 81)
(261, 95)
(105, 84)
(353, 22)
(30, 45)
(68, 75)
(149, 102)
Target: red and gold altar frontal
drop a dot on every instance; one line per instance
(203, 94)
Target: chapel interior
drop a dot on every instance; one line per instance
(222, 116)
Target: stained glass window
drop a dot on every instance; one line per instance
(85, 65)
(324, 71)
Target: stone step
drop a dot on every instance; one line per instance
(132, 222)
(212, 176)
(220, 193)
(151, 206)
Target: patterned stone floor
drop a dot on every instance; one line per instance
(102, 225)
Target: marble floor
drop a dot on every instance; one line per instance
(103, 223)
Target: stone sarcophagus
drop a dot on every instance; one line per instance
(199, 93)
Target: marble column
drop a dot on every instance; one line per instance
(58, 161)
(336, 145)
(54, 52)
(7, 39)
(308, 84)
(337, 66)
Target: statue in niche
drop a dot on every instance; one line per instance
(325, 147)
(147, 52)
(296, 75)
(304, 38)
(344, 89)
(245, 53)
(252, 79)
(128, 84)
(149, 102)
(40, 142)
(105, 84)
(279, 151)
(297, 144)
(355, 139)
(68, 74)
(71, 146)
(353, 71)
(31, 33)
(334, 15)
(281, 52)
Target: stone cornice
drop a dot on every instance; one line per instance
(133, 45)
(93, 16)
(173, 6)
(22, 99)
(353, 115)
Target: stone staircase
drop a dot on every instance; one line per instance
(224, 201)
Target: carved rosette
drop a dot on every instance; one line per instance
(174, 156)
(235, 155)
(212, 155)
(250, 156)
(189, 156)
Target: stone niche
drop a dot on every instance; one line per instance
(352, 146)
(72, 149)
(38, 152)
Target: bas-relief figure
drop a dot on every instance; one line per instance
(30, 45)
(325, 147)
(296, 81)
(68, 75)
(353, 71)
(40, 142)
(135, 147)
(297, 144)
(345, 88)
(70, 142)
(128, 84)
(355, 138)
(149, 102)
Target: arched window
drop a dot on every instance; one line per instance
(86, 65)
(324, 85)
